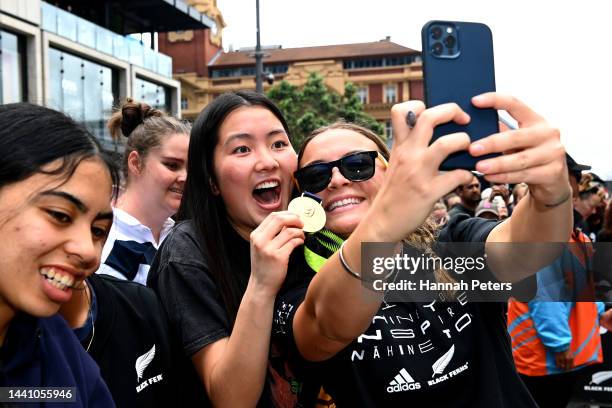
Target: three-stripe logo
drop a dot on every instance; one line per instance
(403, 381)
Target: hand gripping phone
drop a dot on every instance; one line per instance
(457, 65)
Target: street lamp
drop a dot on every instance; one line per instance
(260, 75)
(258, 56)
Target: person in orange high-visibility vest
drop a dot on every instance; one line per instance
(556, 335)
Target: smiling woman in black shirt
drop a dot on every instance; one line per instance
(374, 353)
(218, 272)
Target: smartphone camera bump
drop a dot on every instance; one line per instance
(450, 42)
(436, 32)
(437, 48)
(443, 38)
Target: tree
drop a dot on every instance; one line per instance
(315, 105)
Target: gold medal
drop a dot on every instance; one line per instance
(310, 212)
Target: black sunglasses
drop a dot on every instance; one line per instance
(354, 167)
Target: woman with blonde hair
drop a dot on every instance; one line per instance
(370, 352)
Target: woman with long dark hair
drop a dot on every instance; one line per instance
(55, 214)
(218, 272)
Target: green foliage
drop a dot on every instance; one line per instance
(315, 105)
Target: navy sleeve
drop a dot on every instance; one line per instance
(100, 396)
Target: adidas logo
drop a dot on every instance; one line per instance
(403, 382)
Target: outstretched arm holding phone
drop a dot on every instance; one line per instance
(334, 312)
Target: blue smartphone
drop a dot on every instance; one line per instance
(457, 65)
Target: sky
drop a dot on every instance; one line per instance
(555, 56)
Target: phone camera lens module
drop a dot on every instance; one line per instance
(437, 48)
(450, 41)
(436, 32)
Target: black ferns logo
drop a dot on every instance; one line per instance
(143, 362)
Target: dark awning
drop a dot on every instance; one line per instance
(138, 16)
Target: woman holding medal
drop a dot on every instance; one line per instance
(218, 272)
(370, 353)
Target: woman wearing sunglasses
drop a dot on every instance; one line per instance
(218, 272)
(55, 214)
(373, 353)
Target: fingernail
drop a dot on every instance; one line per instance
(477, 148)
(483, 166)
(478, 98)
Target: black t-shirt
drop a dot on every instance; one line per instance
(198, 317)
(459, 209)
(439, 354)
(131, 343)
(179, 275)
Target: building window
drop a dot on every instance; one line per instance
(247, 71)
(184, 103)
(362, 94)
(84, 90)
(391, 93)
(381, 62)
(154, 95)
(389, 133)
(11, 68)
(276, 69)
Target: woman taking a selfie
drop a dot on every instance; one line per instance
(373, 353)
(218, 273)
(55, 214)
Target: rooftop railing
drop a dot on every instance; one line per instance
(67, 25)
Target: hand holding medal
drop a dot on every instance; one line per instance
(310, 211)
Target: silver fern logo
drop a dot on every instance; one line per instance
(600, 377)
(143, 362)
(440, 365)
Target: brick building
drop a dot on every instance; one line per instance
(383, 72)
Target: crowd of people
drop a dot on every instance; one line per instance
(591, 202)
(552, 340)
(186, 281)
